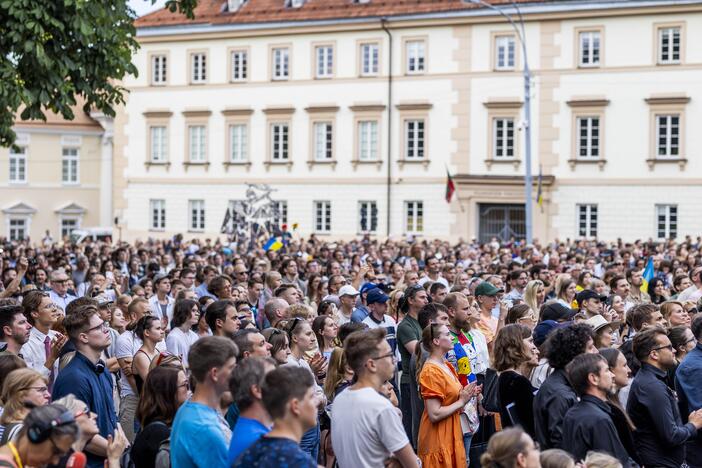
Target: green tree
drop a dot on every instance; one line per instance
(55, 51)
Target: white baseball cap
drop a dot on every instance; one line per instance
(348, 290)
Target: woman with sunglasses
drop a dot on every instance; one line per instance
(440, 442)
(165, 389)
(23, 390)
(150, 332)
(280, 350)
(186, 315)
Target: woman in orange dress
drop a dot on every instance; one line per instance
(440, 443)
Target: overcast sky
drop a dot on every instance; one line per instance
(144, 6)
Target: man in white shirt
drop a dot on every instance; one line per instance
(366, 427)
(42, 350)
(59, 290)
(432, 267)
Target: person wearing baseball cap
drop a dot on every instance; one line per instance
(377, 302)
(557, 312)
(347, 297)
(487, 295)
(361, 311)
(590, 303)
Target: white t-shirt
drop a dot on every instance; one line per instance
(179, 343)
(127, 346)
(366, 429)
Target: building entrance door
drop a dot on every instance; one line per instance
(501, 221)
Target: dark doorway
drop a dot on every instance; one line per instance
(501, 221)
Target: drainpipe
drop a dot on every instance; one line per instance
(383, 24)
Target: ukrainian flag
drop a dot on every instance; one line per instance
(647, 275)
(272, 244)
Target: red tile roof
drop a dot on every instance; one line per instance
(263, 11)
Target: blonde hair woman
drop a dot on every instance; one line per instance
(534, 295)
(23, 390)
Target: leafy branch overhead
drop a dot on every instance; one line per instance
(56, 53)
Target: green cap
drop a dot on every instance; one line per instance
(487, 289)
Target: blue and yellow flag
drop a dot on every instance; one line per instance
(647, 275)
(272, 244)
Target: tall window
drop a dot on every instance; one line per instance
(159, 144)
(239, 65)
(18, 165)
(669, 45)
(281, 63)
(157, 209)
(18, 229)
(588, 137)
(667, 221)
(322, 216)
(504, 52)
(415, 56)
(237, 142)
(367, 216)
(159, 69)
(589, 48)
(196, 215)
(68, 225)
(369, 59)
(414, 216)
(197, 137)
(503, 137)
(199, 67)
(279, 141)
(668, 135)
(587, 220)
(414, 139)
(281, 212)
(323, 144)
(69, 166)
(368, 140)
(325, 61)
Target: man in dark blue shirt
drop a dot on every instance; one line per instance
(86, 377)
(660, 435)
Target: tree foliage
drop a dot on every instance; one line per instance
(55, 51)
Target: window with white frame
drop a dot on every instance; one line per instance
(367, 216)
(669, 45)
(414, 139)
(68, 225)
(322, 216)
(157, 210)
(281, 63)
(237, 142)
(414, 216)
(587, 220)
(370, 56)
(368, 140)
(196, 215)
(159, 69)
(325, 61)
(323, 141)
(668, 135)
(589, 48)
(18, 165)
(504, 52)
(159, 144)
(588, 129)
(667, 221)
(280, 216)
(197, 138)
(198, 63)
(239, 65)
(415, 56)
(503, 137)
(279, 141)
(19, 229)
(69, 166)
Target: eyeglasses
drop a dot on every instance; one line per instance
(43, 389)
(670, 347)
(85, 412)
(104, 325)
(390, 354)
(185, 385)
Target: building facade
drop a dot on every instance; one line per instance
(354, 111)
(58, 178)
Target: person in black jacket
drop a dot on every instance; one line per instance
(640, 317)
(555, 396)
(588, 425)
(660, 435)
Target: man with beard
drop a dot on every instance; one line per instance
(14, 329)
(660, 435)
(588, 424)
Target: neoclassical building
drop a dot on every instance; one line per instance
(353, 111)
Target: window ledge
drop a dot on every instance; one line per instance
(314, 162)
(228, 164)
(377, 163)
(268, 164)
(424, 162)
(574, 162)
(682, 162)
(149, 164)
(514, 161)
(188, 164)
(156, 230)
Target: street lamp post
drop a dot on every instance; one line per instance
(527, 112)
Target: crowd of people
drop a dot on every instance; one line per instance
(364, 353)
